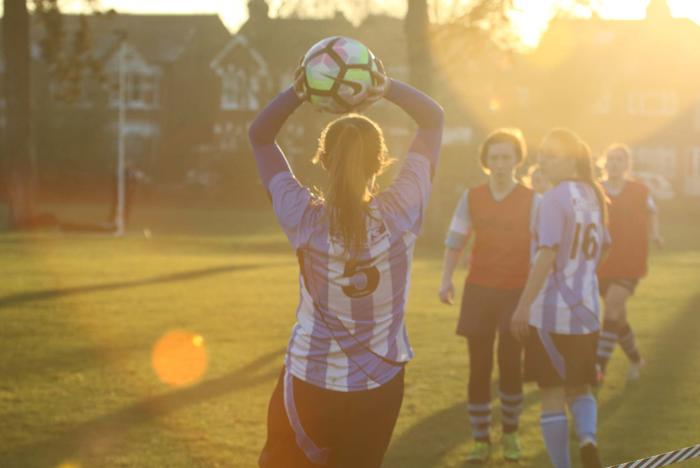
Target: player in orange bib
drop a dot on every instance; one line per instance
(498, 214)
(633, 222)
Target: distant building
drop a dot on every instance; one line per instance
(632, 81)
(193, 88)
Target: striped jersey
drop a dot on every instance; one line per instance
(570, 220)
(350, 333)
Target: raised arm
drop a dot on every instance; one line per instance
(426, 112)
(263, 132)
(405, 201)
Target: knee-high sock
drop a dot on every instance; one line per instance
(585, 411)
(511, 407)
(480, 418)
(555, 431)
(627, 342)
(606, 342)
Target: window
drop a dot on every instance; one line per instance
(659, 160)
(652, 103)
(230, 136)
(142, 90)
(240, 90)
(695, 163)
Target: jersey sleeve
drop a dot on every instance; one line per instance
(460, 226)
(536, 201)
(263, 133)
(427, 114)
(404, 202)
(290, 201)
(551, 219)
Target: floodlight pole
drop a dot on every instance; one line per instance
(121, 148)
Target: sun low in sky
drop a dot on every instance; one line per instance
(531, 16)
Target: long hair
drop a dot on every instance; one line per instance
(577, 149)
(352, 150)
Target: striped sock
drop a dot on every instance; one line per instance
(585, 412)
(511, 407)
(480, 418)
(606, 342)
(555, 431)
(628, 344)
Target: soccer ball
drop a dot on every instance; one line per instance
(337, 73)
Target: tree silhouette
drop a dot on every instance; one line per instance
(66, 57)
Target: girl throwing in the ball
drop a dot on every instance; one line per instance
(559, 309)
(341, 387)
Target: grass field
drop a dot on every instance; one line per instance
(81, 314)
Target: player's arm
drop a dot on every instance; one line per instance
(549, 231)
(449, 265)
(455, 242)
(544, 262)
(428, 115)
(405, 201)
(264, 129)
(289, 198)
(654, 224)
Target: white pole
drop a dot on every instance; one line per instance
(119, 212)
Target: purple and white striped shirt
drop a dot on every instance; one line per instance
(350, 333)
(569, 220)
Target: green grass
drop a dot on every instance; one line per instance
(81, 314)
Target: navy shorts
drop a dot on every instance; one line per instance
(352, 429)
(555, 360)
(485, 310)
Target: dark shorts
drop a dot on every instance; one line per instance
(485, 310)
(574, 356)
(352, 428)
(629, 284)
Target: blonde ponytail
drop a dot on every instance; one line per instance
(352, 151)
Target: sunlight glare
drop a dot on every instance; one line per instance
(179, 358)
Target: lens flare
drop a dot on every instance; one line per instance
(179, 358)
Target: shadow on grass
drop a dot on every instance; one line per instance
(92, 435)
(631, 411)
(426, 443)
(46, 294)
(630, 422)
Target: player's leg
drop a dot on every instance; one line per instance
(367, 424)
(615, 300)
(544, 365)
(510, 383)
(313, 411)
(479, 394)
(584, 410)
(579, 352)
(626, 337)
(478, 324)
(555, 426)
